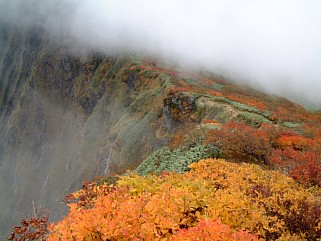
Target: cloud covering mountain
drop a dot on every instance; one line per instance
(273, 45)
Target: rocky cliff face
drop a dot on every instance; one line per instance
(65, 119)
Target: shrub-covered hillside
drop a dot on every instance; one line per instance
(259, 176)
(215, 200)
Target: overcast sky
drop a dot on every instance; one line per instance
(271, 44)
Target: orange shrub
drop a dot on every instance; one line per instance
(213, 230)
(215, 200)
(295, 141)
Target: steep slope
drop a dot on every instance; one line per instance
(67, 118)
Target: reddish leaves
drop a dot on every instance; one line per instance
(303, 166)
(241, 142)
(295, 155)
(34, 228)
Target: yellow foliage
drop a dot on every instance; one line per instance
(238, 199)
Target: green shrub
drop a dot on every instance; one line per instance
(176, 160)
(291, 124)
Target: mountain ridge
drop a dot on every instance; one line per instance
(67, 118)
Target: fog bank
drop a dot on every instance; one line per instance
(273, 45)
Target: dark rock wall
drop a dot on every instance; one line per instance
(64, 119)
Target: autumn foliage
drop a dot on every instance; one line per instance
(277, 147)
(215, 200)
(303, 166)
(241, 142)
(208, 229)
(33, 228)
